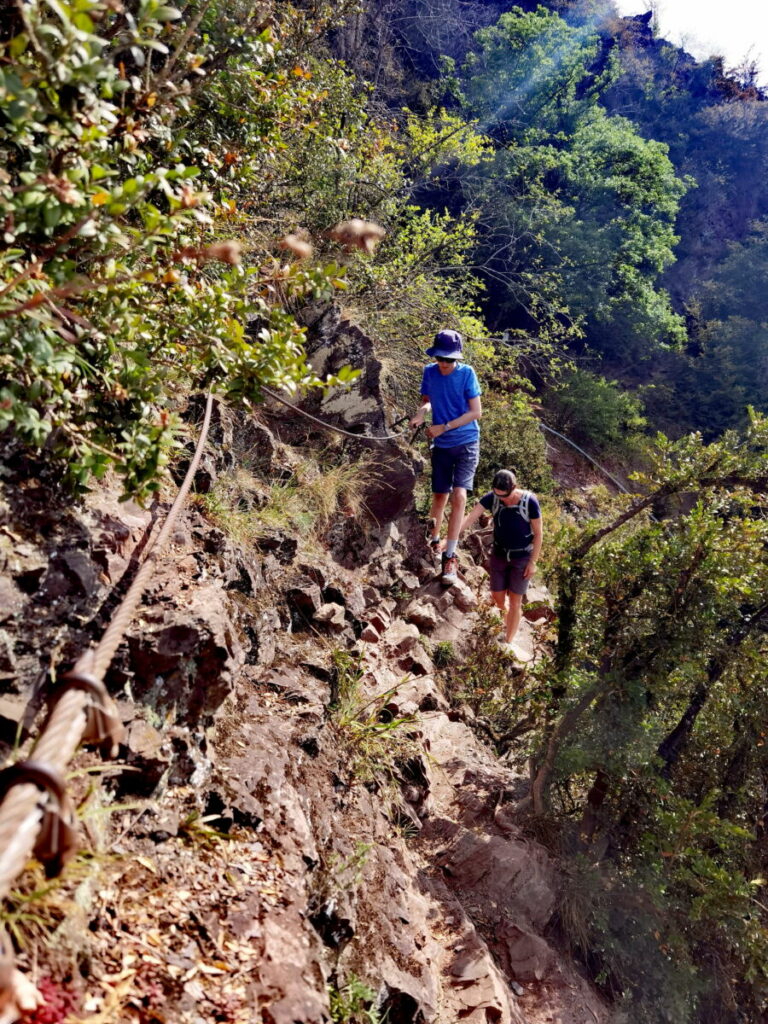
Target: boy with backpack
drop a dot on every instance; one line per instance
(452, 391)
(517, 536)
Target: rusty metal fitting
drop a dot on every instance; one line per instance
(102, 728)
(57, 839)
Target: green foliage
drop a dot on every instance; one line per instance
(376, 741)
(574, 210)
(653, 741)
(443, 653)
(246, 508)
(488, 681)
(117, 288)
(352, 1003)
(512, 439)
(532, 76)
(597, 412)
(729, 372)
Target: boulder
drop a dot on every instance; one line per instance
(11, 600)
(304, 599)
(331, 616)
(526, 956)
(401, 637)
(422, 613)
(463, 597)
(184, 659)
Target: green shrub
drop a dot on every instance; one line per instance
(121, 285)
(352, 1003)
(512, 439)
(374, 741)
(597, 412)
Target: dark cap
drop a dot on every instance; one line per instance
(448, 345)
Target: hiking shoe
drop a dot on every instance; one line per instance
(521, 656)
(435, 546)
(450, 573)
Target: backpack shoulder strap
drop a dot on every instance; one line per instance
(525, 501)
(496, 506)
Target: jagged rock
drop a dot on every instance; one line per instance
(400, 637)
(262, 630)
(422, 613)
(380, 619)
(370, 635)
(256, 446)
(143, 740)
(527, 957)
(303, 599)
(408, 580)
(12, 710)
(463, 598)
(280, 544)
(11, 600)
(332, 616)
(411, 696)
(314, 573)
(7, 657)
(333, 343)
(242, 575)
(298, 687)
(146, 751)
(185, 658)
(507, 872)
(470, 965)
(418, 663)
(354, 598)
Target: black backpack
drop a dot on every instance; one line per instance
(524, 511)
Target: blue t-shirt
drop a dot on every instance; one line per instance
(450, 395)
(510, 530)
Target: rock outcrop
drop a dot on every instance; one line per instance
(297, 704)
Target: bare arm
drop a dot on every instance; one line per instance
(471, 519)
(537, 529)
(418, 419)
(474, 412)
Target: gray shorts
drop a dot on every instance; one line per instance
(508, 575)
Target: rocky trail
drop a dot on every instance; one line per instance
(302, 804)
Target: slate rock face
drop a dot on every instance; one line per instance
(333, 343)
(186, 658)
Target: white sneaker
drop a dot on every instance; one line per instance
(510, 647)
(521, 654)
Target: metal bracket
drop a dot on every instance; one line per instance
(102, 726)
(56, 842)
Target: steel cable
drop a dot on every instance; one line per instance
(21, 810)
(330, 426)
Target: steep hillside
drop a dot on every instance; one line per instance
(302, 809)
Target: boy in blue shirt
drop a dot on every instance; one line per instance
(451, 389)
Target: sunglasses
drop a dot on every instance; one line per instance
(440, 360)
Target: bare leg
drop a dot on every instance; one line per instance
(499, 597)
(458, 505)
(439, 501)
(514, 615)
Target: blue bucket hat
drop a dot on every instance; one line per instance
(448, 345)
